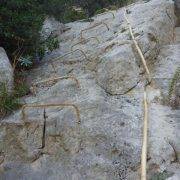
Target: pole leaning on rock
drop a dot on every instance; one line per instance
(145, 137)
(145, 119)
(138, 48)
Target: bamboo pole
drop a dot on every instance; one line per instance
(145, 125)
(145, 136)
(138, 48)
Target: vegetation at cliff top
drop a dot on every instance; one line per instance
(21, 22)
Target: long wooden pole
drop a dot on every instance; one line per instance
(145, 126)
(145, 137)
(138, 48)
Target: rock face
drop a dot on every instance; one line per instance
(97, 134)
(118, 72)
(6, 71)
(153, 27)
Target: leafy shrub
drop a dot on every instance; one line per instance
(20, 25)
(51, 43)
(63, 10)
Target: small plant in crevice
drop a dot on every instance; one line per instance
(52, 43)
(25, 61)
(161, 176)
(173, 93)
(174, 81)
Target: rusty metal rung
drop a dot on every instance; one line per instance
(55, 59)
(95, 25)
(34, 85)
(27, 106)
(84, 40)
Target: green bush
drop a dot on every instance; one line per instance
(20, 25)
(56, 8)
(63, 10)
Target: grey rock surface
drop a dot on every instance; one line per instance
(6, 70)
(106, 144)
(50, 26)
(118, 71)
(165, 66)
